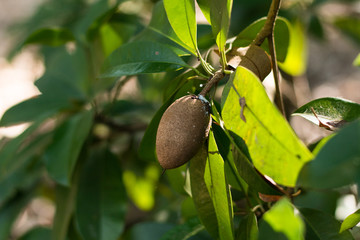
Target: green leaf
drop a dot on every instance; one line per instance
(181, 15)
(268, 136)
(220, 13)
(160, 24)
(282, 218)
(141, 57)
(219, 190)
(93, 14)
(147, 146)
(23, 168)
(184, 231)
(248, 229)
(357, 61)
(324, 225)
(281, 35)
(205, 8)
(201, 196)
(148, 230)
(296, 58)
(62, 154)
(67, 75)
(101, 198)
(340, 157)
(37, 233)
(10, 211)
(50, 36)
(39, 107)
(330, 111)
(239, 161)
(350, 221)
(65, 199)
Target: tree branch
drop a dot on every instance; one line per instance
(268, 28)
(219, 74)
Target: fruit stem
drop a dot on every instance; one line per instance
(218, 75)
(278, 96)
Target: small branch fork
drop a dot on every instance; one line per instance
(267, 32)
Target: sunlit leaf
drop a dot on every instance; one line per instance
(339, 156)
(281, 35)
(220, 13)
(101, 198)
(357, 60)
(296, 58)
(61, 156)
(181, 15)
(350, 221)
(273, 146)
(324, 225)
(331, 112)
(201, 196)
(141, 187)
(184, 231)
(160, 24)
(219, 190)
(282, 219)
(141, 57)
(239, 161)
(50, 36)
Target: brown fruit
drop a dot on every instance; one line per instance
(182, 130)
(253, 58)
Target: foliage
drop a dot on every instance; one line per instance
(90, 147)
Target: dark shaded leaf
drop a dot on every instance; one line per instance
(50, 36)
(324, 226)
(10, 211)
(148, 231)
(340, 157)
(101, 197)
(37, 233)
(39, 107)
(65, 203)
(61, 156)
(248, 229)
(184, 231)
(201, 196)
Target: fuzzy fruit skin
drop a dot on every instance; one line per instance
(182, 130)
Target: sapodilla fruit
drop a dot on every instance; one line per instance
(253, 58)
(182, 130)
